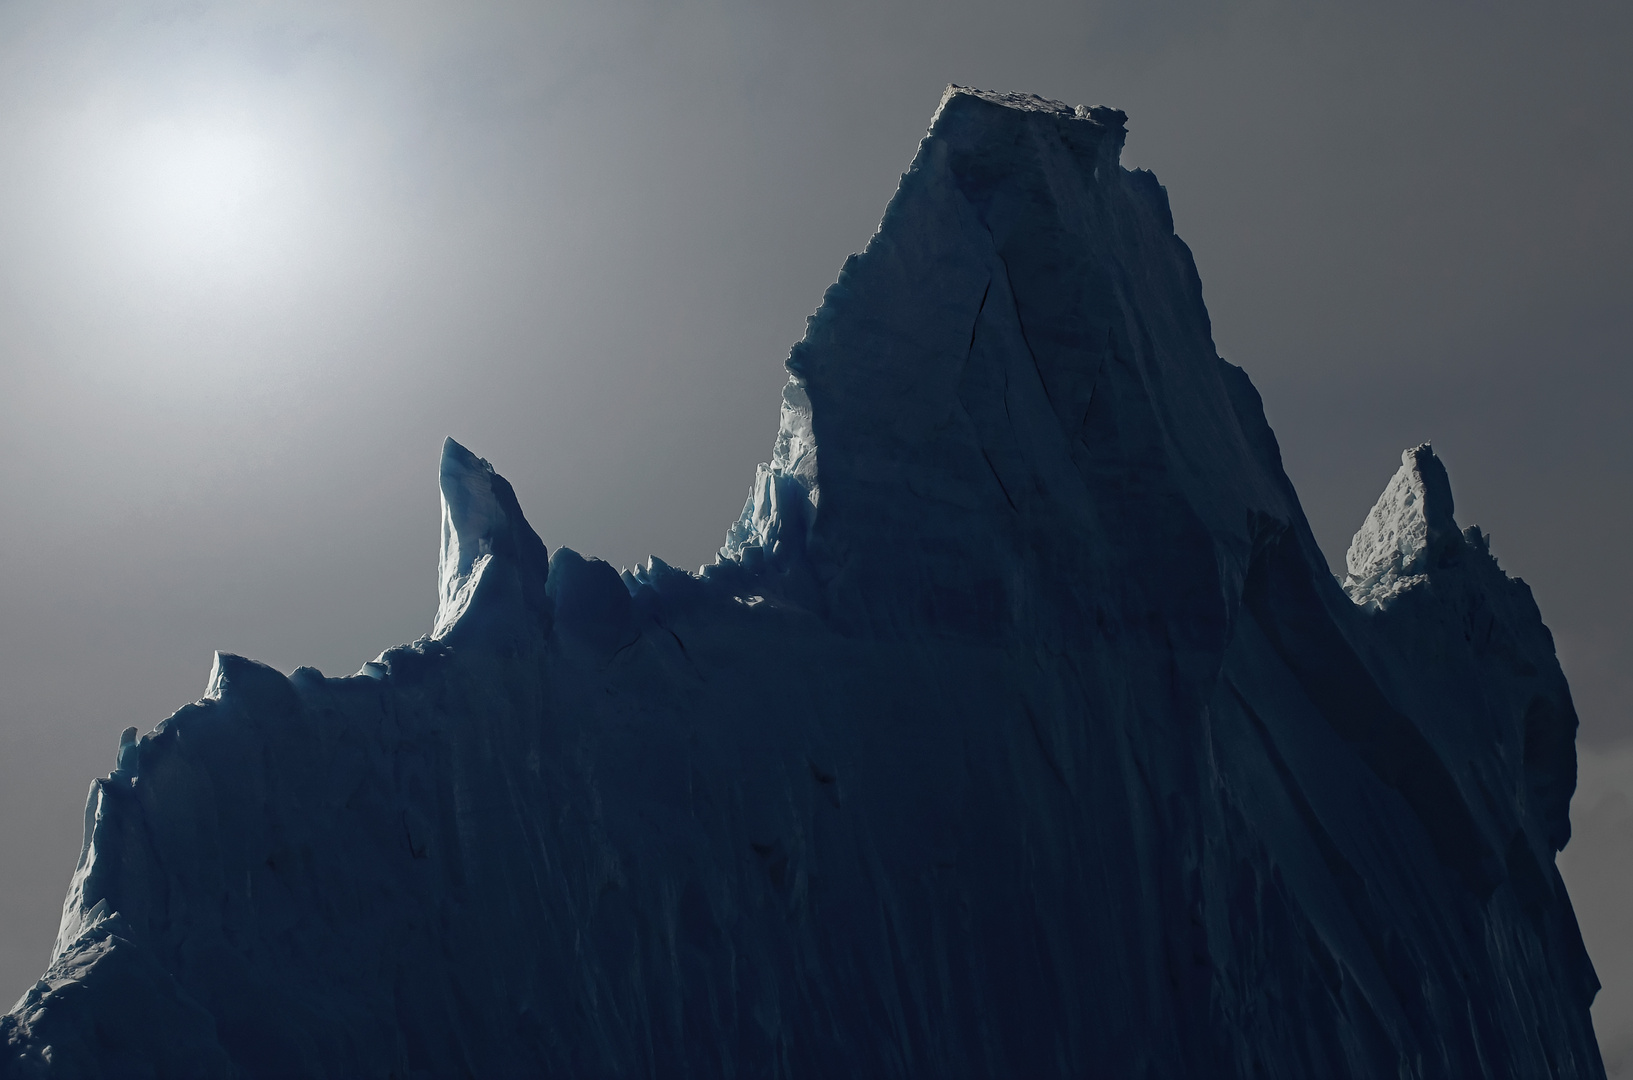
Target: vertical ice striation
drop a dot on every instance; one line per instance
(1030, 736)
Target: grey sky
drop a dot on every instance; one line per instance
(257, 259)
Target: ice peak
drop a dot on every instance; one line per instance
(481, 519)
(992, 134)
(1412, 518)
(1099, 114)
(1111, 124)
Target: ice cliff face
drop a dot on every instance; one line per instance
(1020, 730)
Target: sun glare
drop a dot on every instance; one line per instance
(201, 196)
(194, 229)
(200, 182)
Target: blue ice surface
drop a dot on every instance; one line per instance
(1019, 730)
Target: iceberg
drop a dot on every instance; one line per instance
(1019, 729)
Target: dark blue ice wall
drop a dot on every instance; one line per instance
(1019, 731)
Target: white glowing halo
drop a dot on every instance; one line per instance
(199, 194)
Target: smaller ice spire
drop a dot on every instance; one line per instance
(1412, 519)
(129, 753)
(481, 520)
(471, 515)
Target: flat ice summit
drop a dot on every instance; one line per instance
(1019, 730)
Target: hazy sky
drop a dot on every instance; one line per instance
(257, 259)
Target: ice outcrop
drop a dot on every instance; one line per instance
(1019, 730)
(784, 494)
(481, 522)
(1408, 529)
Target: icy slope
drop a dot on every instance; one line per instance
(1020, 731)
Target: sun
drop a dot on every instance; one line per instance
(200, 181)
(199, 194)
